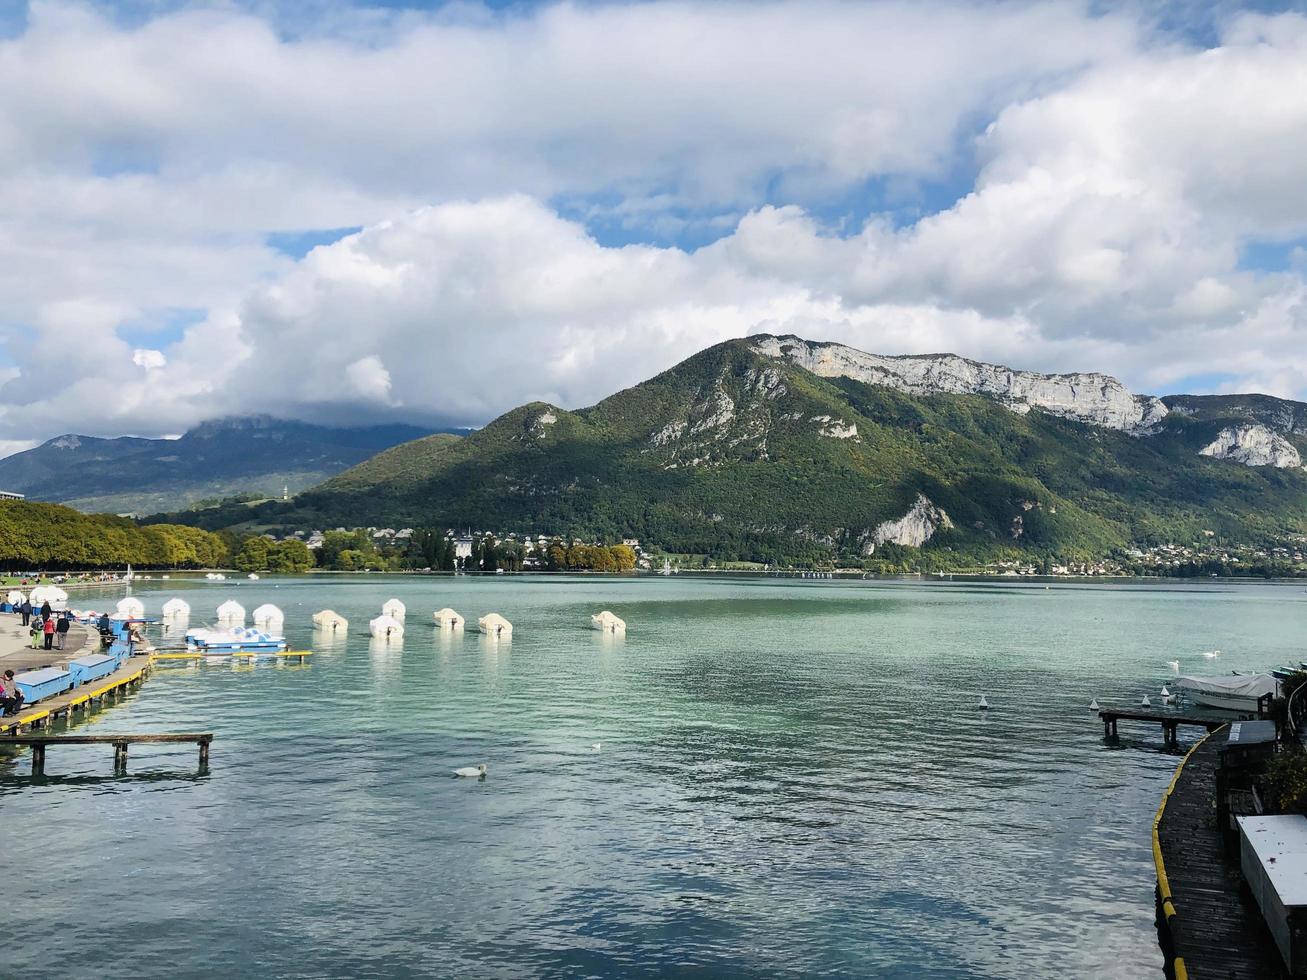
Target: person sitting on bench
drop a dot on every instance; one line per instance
(11, 699)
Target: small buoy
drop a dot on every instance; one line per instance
(1145, 703)
(1093, 705)
(982, 704)
(1165, 692)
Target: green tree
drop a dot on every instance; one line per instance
(290, 556)
(254, 554)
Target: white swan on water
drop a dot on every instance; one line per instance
(1212, 654)
(471, 772)
(596, 746)
(1174, 665)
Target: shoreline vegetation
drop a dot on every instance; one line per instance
(53, 538)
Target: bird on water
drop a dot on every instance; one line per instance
(472, 772)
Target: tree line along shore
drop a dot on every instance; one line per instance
(50, 537)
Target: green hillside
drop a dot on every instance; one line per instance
(745, 456)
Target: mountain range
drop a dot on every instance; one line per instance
(250, 455)
(782, 448)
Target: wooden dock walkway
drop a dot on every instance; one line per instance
(1169, 719)
(1207, 925)
(65, 705)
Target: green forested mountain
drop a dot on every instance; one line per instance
(246, 455)
(780, 448)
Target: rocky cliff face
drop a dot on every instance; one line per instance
(1093, 398)
(1253, 445)
(913, 529)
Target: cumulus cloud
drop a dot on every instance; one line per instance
(1113, 184)
(148, 359)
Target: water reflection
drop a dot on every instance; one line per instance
(329, 641)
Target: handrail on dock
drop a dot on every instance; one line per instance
(39, 743)
(1294, 722)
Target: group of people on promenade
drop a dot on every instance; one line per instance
(44, 625)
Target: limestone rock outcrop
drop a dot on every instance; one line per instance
(913, 529)
(1253, 445)
(1096, 399)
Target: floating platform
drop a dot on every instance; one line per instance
(201, 656)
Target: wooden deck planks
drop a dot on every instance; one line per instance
(78, 698)
(1217, 928)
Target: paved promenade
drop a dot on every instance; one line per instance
(16, 653)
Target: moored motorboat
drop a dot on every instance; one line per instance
(1231, 692)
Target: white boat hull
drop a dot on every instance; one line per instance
(1224, 702)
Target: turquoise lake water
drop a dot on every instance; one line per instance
(793, 781)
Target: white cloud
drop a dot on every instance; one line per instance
(148, 359)
(1116, 182)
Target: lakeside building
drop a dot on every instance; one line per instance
(11, 495)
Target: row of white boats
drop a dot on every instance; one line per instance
(232, 635)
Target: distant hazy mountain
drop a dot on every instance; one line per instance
(225, 457)
(780, 447)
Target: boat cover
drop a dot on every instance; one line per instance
(1251, 686)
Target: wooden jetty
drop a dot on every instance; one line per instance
(1207, 925)
(39, 744)
(65, 705)
(1169, 720)
(198, 657)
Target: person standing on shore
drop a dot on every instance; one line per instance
(26, 610)
(45, 609)
(48, 629)
(36, 632)
(61, 628)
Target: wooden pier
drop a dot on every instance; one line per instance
(65, 705)
(39, 744)
(198, 657)
(1207, 925)
(1169, 720)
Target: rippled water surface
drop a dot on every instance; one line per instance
(793, 781)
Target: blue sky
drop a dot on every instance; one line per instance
(319, 209)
